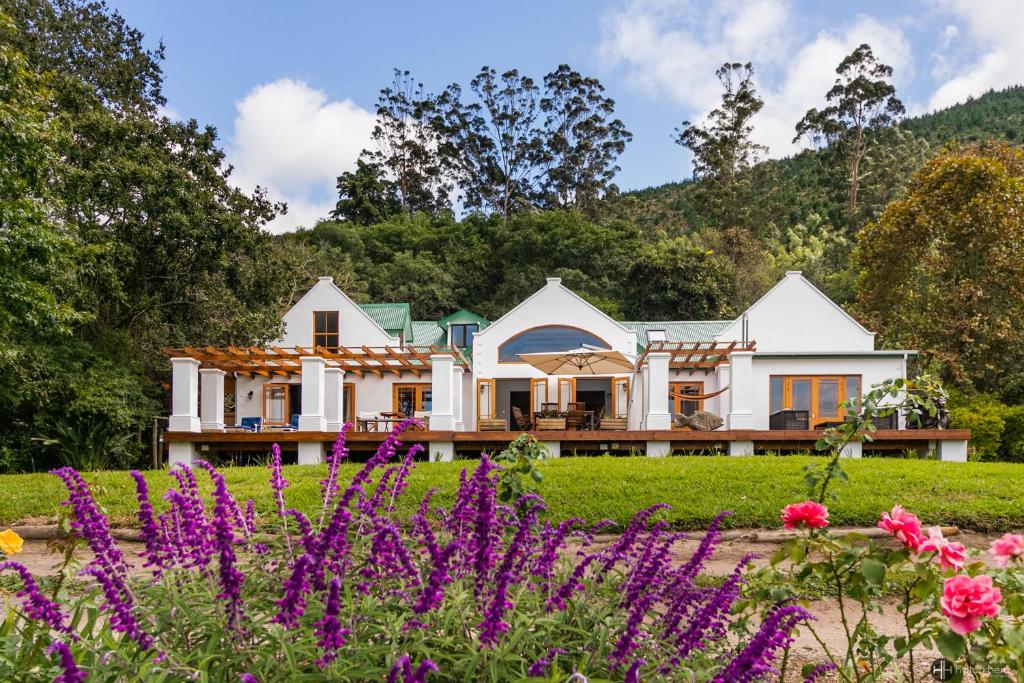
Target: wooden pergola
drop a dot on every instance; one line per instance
(284, 361)
(696, 355)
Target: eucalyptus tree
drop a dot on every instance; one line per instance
(861, 102)
(582, 139)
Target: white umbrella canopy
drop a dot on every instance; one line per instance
(586, 360)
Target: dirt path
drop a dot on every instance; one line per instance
(41, 561)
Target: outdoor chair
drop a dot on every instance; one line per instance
(577, 405)
(575, 419)
(252, 424)
(799, 420)
(522, 421)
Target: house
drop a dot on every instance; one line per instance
(777, 374)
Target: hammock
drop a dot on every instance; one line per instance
(698, 397)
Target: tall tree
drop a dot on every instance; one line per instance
(493, 143)
(676, 281)
(722, 148)
(582, 140)
(406, 147)
(941, 268)
(861, 101)
(365, 195)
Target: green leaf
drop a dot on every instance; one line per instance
(951, 645)
(873, 570)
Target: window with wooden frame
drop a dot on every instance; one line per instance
(620, 397)
(410, 399)
(538, 394)
(566, 392)
(820, 395)
(276, 404)
(348, 397)
(462, 334)
(485, 399)
(679, 404)
(325, 329)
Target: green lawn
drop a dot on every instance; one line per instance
(984, 496)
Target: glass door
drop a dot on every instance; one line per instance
(410, 399)
(620, 397)
(538, 394)
(275, 404)
(827, 399)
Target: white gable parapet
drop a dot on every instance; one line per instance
(355, 327)
(552, 305)
(797, 316)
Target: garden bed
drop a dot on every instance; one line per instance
(981, 496)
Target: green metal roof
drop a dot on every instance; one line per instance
(427, 332)
(394, 318)
(464, 315)
(678, 331)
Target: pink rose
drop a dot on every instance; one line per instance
(902, 525)
(950, 555)
(809, 513)
(966, 599)
(1007, 548)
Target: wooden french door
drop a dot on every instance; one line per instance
(410, 399)
(566, 392)
(620, 397)
(276, 404)
(538, 394)
(685, 406)
(821, 396)
(485, 399)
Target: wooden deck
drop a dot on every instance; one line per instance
(590, 441)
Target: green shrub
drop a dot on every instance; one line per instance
(986, 427)
(1012, 448)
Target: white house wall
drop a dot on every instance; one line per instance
(873, 370)
(355, 327)
(795, 316)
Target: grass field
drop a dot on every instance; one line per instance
(983, 496)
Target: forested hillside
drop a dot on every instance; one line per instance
(123, 231)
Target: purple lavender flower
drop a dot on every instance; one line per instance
(120, 604)
(155, 543)
(422, 527)
(247, 678)
(388, 557)
(403, 668)
(329, 631)
(91, 524)
(231, 579)
(775, 634)
(540, 667)
(293, 604)
(633, 674)
(707, 620)
(440, 576)
(35, 605)
(70, 673)
(687, 572)
(329, 486)
(819, 671)
(552, 540)
(621, 548)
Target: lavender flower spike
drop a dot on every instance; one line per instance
(329, 631)
(231, 578)
(36, 605)
(403, 667)
(155, 543)
(70, 672)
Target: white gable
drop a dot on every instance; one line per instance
(355, 327)
(554, 304)
(796, 316)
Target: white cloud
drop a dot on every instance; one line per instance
(673, 47)
(294, 141)
(993, 28)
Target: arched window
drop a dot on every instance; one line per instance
(547, 339)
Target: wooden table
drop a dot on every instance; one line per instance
(589, 414)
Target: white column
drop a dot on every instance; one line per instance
(458, 390)
(952, 451)
(442, 417)
(312, 418)
(658, 449)
(741, 448)
(311, 452)
(211, 407)
(334, 398)
(181, 453)
(741, 390)
(658, 416)
(721, 402)
(854, 449)
(441, 451)
(554, 448)
(184, 395)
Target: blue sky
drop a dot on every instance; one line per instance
(291, 86)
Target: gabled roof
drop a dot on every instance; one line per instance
(393, 318)
(800, 276)
(678, 330)
(463, 315)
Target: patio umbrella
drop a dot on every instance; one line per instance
(584, 360)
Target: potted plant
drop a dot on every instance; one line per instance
(550, 420)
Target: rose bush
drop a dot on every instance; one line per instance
(479, 591)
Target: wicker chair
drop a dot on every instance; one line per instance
(523, 422)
